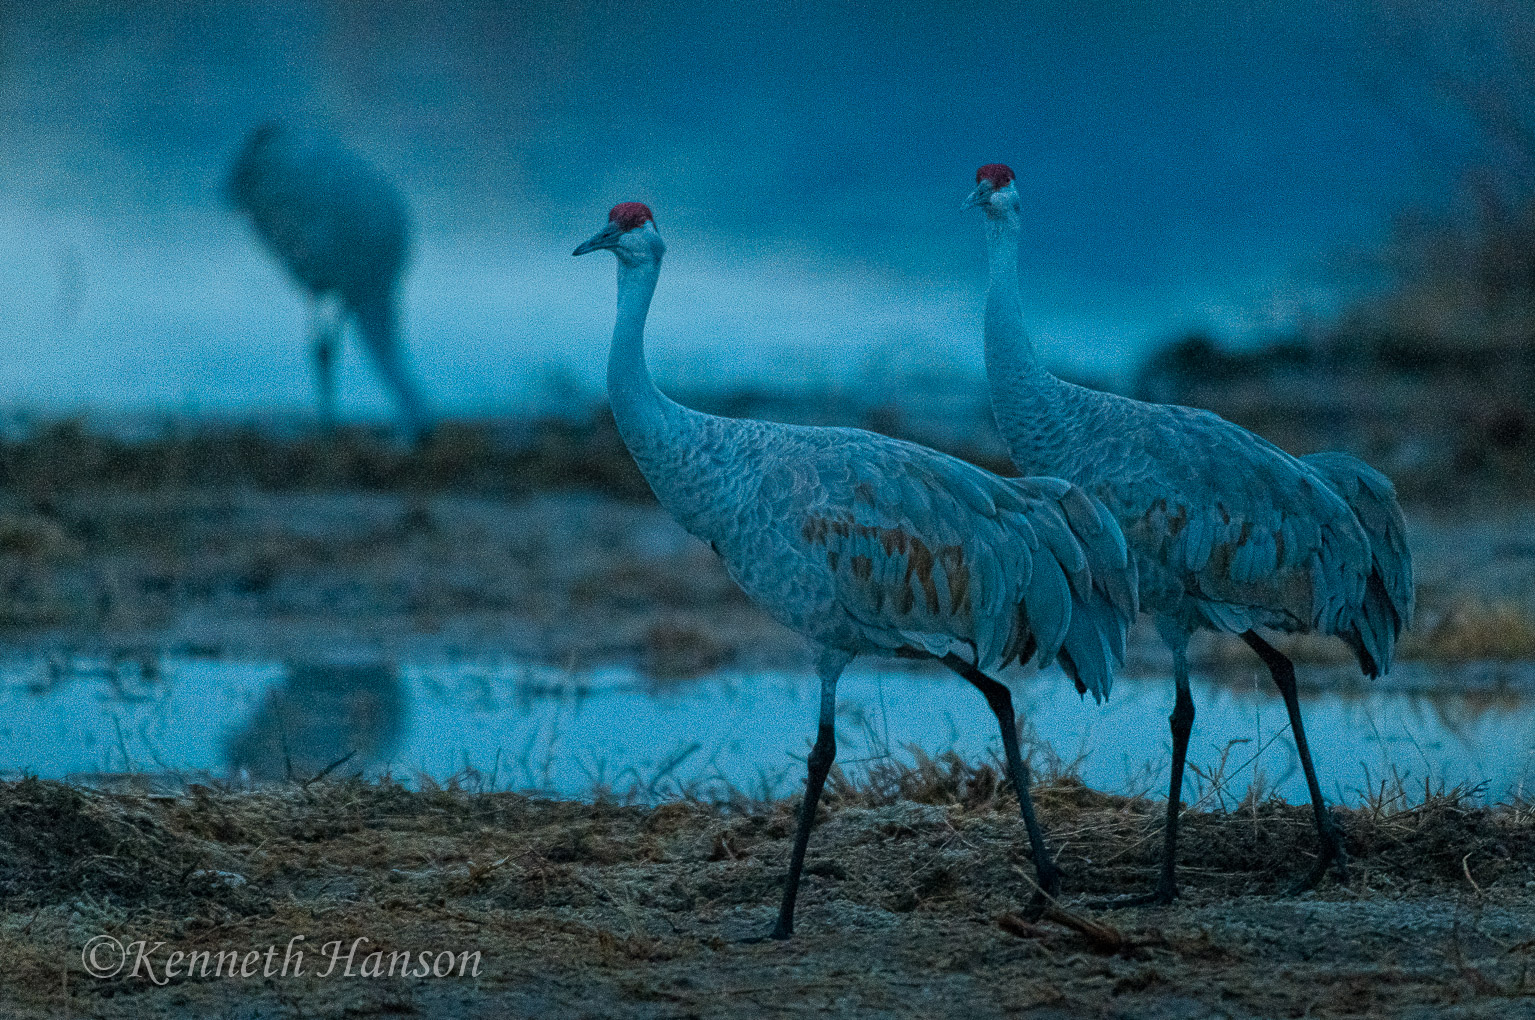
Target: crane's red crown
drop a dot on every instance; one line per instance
(629, 215)
(999, 174)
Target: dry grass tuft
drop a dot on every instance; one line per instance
(1470, 628)
(1479, 629)
(945, 780)
(678, 649)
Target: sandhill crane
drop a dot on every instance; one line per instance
(343, 232)
(863, 543)
(1229, 532)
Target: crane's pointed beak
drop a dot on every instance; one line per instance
(607, 237)
(977, 197)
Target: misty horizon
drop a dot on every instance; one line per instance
(1202, 169)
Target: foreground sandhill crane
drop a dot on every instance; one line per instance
(343, 232)
(863, 543)
(1229, 532)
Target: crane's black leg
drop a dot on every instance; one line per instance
(324, 335)
(819, 764)
(1001, 701)
(378, 330)
(1327, 829)
(325, 376)
(1182, 723)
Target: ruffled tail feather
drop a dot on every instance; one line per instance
(1389, 597)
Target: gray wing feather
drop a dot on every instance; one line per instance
(1231, 531)
(1239, 522)
(1104, 598)
(922, 545)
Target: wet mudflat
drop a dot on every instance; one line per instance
(910, 906)
(574, 579)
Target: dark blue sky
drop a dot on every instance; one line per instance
(1183, 166)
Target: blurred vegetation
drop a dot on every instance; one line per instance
(513, 459)
(43, 461)
(1433, 376)
(1445, 417)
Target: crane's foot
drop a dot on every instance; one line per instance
(780, 932)
(757, 940)
(1333, 857)
(1048, 877)
(783, 926)
(1162, 896)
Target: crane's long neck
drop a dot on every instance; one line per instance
(638, 407)
(1025, 397)
(670, 443)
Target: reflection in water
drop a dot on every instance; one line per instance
(323, 717)
(518, 727)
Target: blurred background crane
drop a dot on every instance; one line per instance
(342, 231)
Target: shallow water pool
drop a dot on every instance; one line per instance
(519, 727)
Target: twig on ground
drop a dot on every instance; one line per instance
(327, 770)
(1466, 870)
(1105, 938)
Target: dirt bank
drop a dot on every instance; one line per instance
(909, 906)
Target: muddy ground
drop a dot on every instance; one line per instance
(910, 906)
(551, 552)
